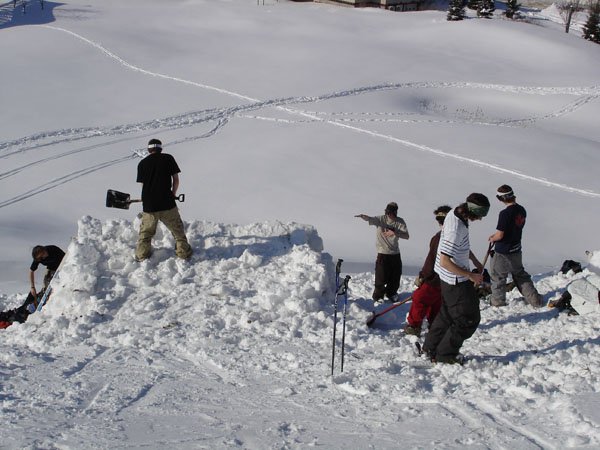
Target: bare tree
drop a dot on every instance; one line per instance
(568, 9)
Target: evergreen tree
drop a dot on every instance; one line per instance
(486, 8)
(591, 29)
(512, 9)
(456, 10)
(473, 4)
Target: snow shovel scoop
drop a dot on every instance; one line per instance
(372, 317)
(121, 200)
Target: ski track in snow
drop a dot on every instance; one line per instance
(221, 116)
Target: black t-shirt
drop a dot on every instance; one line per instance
(155, 172)
(511, 221)
(52, 261)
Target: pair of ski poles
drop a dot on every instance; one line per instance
(341, 289)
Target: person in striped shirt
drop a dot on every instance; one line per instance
(459, 316)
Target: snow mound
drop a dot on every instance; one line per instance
(239, 278)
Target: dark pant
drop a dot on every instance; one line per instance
(388, 270)
(457, 321)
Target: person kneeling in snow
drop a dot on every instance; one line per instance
(583, 295)
(427, 299)
(20, 314)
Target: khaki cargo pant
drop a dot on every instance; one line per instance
(171, 219)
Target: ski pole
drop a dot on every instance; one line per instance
(338, 267)
(372, 317)
(345, 291)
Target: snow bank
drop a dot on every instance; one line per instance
(239, 278)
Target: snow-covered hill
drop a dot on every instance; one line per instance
(285, 114)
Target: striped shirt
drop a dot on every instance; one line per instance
(454, 242)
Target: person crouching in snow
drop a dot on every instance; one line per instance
(427, 299)
(459, 316)
(20, 314)
(583, 295)
(388, 267)
(46, 255)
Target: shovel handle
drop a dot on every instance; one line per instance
(487, 255)
(180, 197)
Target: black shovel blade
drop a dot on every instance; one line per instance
(116, 199)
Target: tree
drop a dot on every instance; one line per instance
(486, 8)
(567, 10)
(456, 10)
(512, 9)
(591, 29)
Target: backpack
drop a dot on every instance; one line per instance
(569, 264)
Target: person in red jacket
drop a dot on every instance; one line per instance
(427, 299)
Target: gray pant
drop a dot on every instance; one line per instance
(512, 263)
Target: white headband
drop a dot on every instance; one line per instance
(502, 194)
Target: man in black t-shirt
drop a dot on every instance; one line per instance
(159, 175)
(49, 256)
(508, 258)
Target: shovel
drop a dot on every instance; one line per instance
(121, 200)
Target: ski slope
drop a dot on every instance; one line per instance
(280, 116)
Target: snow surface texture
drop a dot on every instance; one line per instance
(232, 349)
(284, 114)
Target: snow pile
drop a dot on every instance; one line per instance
(240, 278)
